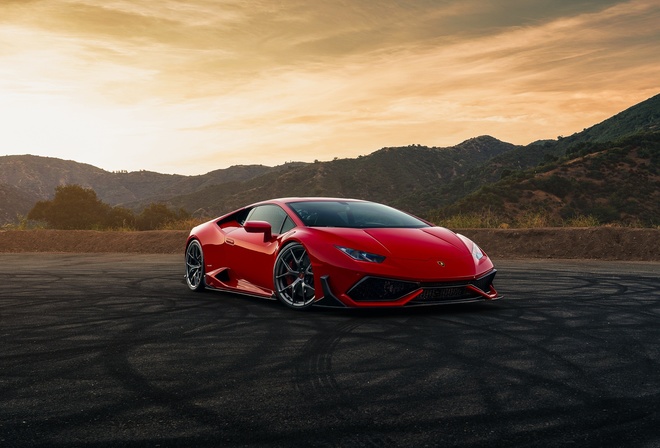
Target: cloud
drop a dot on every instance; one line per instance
(523, 80)
(294, 80)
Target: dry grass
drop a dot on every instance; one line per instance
(486, 220)
(185, 224)
(583, 221)
(529, 220)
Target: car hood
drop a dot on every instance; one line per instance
(428, 253)
(419, 244)
(409, 243)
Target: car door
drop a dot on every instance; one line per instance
(253, 254)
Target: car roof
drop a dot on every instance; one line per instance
(306, 199)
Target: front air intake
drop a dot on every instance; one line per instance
(374, 289)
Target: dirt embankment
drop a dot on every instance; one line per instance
(604, 243)
(90, 241)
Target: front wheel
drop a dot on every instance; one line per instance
(195, 266)
(293, 277)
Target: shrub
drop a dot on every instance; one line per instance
(73, 207)
(78, 208)
(157, 216)
(582, 221)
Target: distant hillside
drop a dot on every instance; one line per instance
(641, 118)
(383, 176)
(608, 170)
(613, 182)
(40, 175)
(14, 203)
(29, 179)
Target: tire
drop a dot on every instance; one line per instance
(293, 277)
(195, 266)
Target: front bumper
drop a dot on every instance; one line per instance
(384, 292)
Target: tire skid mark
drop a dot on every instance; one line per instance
(315, 380)
(314, 376)
(118, 360)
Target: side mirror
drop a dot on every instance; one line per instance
(259, 227)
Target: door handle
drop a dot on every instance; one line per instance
(229, 241)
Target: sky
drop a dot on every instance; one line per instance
(192, 86)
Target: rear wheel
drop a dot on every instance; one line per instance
(195, 266)
(293, 277)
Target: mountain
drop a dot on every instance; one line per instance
(14, 203)
(27, 179)
(641, 118)
(380, 176)
(482, 173)
(40, 175)
(383, 176)
(610, 181)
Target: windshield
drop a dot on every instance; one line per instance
(353, 214)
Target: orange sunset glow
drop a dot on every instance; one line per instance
(192, 86)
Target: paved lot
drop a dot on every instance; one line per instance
(112, 350)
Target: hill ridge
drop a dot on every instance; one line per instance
(420, 179)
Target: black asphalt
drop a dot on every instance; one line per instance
(113, 350)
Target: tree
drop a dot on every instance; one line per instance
(73, 207)
(76, 208)
(157, 215)
(120, 218)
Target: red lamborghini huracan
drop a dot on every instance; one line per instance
(338, 253)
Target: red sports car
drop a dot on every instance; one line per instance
(337, 253)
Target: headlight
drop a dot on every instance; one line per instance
(360, 255)
(476, 252)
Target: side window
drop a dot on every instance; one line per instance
(277, 218)
(288, 225)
